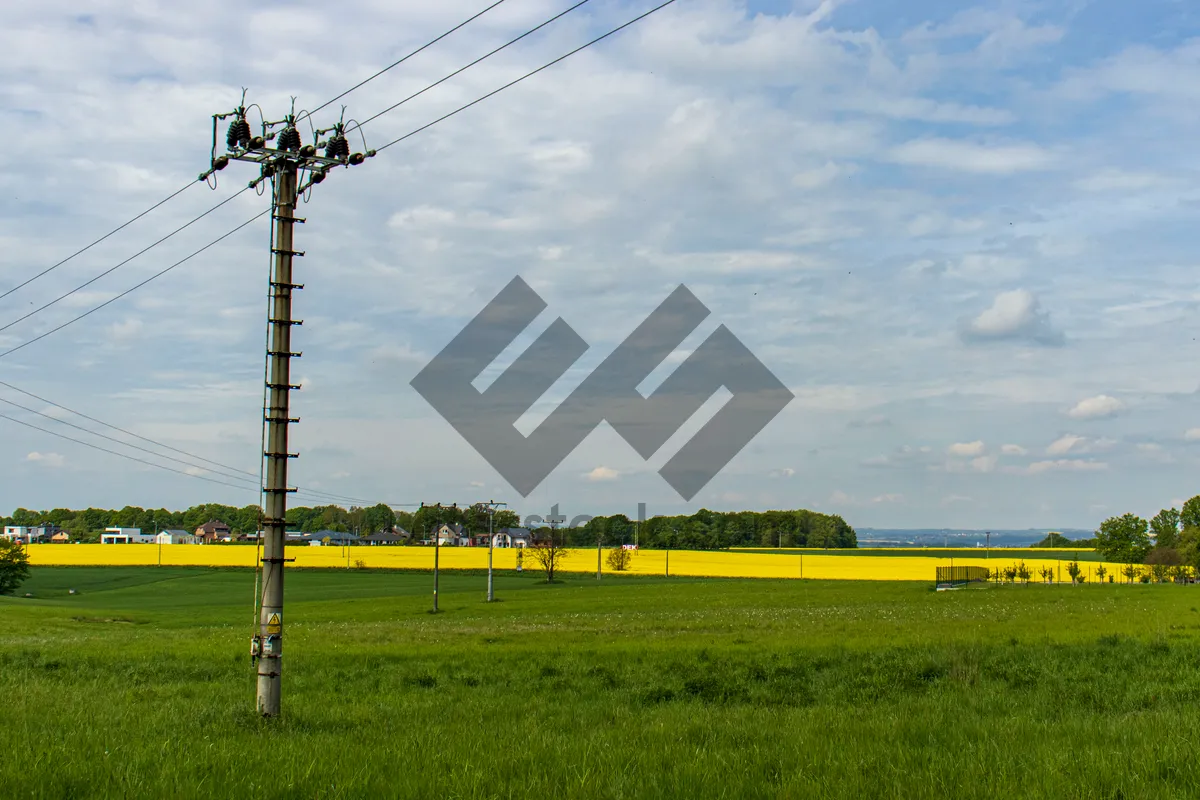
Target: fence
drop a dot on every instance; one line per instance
(960, 576)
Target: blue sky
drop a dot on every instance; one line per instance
(963, 236)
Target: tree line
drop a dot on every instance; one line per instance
(703, 530)
(714, 530)
(87, 525)
(1171, 538)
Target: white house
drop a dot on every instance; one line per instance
(126, 536)
(16, 533)
(451, 535)
(512, 537)
(177, 537)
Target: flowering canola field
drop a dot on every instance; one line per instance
(715, 564)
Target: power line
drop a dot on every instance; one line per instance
(114, 268)
(395, 64)
(526, 75)
(459, 71)
(117, 229)
(313, 493)
(135, 287)
(120, 455)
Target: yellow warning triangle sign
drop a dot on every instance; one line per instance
(273, 619)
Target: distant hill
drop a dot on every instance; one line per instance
(959, 537)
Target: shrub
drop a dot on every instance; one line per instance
(619, 559)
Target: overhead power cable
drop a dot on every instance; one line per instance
(494, 92)
(190, 184)
(461, 70)
(117, 229)
(395, 64)
(135, 287)
(314, 493)
(121, 455)
(117, 266)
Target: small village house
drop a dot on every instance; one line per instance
(214, 531)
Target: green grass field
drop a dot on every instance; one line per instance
(141, 686)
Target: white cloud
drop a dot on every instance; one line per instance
(1015, 315)
(964, 156)
(1064, 444)
(476, 484)
(786, 472)
(1013, 450)
(966, 448)
(887, 498)
(603, 474)
(840, 498)
(953, 499)
(1096, 407)
(1192, 435)
(47, 459)
(1067, 465)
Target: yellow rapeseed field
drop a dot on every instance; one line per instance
(718, 564)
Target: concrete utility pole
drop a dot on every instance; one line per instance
(292, 167)
(437, 547)
(490, 507)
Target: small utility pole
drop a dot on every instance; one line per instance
(490, 507)
(599, 549)
(286, 163)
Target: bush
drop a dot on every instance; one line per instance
(619, 559)
(14, 566)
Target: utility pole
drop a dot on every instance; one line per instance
(437, 547)
(292, 168)
(490, 507)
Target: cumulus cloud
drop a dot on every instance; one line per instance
(786, 472)
(46, 459)
(1192, 435)
(603, 474)
(1064, 444)
(840, 498)
(1067, 465)
(952, 154)
(1013, 450)
(887, 498)
(966, 449)
(1096, 407)
(1017, 316)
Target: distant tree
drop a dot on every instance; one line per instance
(548, 552)
(1165, 527)
(14, 566)
(1130, 572)
(1189, 517)
(1074, 571)
(619, 559)
(1047, 574)
(1023, 572)
(1100, 573)
(1123, 539)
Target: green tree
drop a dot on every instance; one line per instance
(1124, 539)
(14, 566)
(1165, 527)
(1189, 517)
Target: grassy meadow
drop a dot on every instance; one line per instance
(140, 685)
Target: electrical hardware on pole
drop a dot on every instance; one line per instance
(292, 168)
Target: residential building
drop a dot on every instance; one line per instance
(177, 537)
(60, 537)
(394, 536)
(214, 531)
(332, 538)
(17, 533)
(512, 537)
(126, 536)
(454, 535)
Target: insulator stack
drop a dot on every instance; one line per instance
(289, 139)
(338, 147)
(239, 134)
